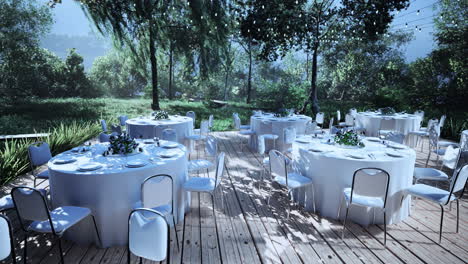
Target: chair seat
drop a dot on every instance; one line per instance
(247, 132)
(62, 219)
(6, 202)
(429, 174)
(444, 144)
(43, 174)
(295, 180)
(165, 209)
(428, 192)
(200, 164)
(419, 133)
(439, 152)
(199, 184)
(266, 161)
(368, 201)
(385, 132)
(196, 137)
(270, 136)
(245, 127)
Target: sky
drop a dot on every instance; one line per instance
(71, 20)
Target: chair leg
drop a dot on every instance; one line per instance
(97, 231)
(128, 256)
(313, 198)
(25, 252)
(269, 193)
(428, 157)
(61, 251)
(175, 230)
(385, 228)
(168, 250)
(289, 205)
(339, 208)
(141, 259)
(344, 223)
(458, 214)
(441, 222)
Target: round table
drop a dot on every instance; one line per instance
(278, 124)
(332, 171)
(148, 127)
(112, 191)
(403, 123)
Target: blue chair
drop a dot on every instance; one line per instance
(440, 196)
(169, 134)
(148, 235)
(369, 189)
(104, 125)
(6, 203)
(7, 247)
(39, 154)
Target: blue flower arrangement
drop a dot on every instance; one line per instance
(122, 144)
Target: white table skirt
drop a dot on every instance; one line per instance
(403, 123)
(331, 172)
(149, 128)
(278, 125)
(112, 192)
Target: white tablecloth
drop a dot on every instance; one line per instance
(147, 127)
(332, 171)
(403, 123)
(278, 124)
(112, 191)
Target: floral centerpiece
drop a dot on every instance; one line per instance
(161, 114)
(387, 111)
(122, 144)
(349, 139)
(282, 113)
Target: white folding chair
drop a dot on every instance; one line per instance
(319, 119)
(211, 149)
(157, 194)
(331, 128)
(39, 154)
(368, 189)
(148, 235)
(104, 126)
(208, 184)
(7, 247)
(169, 134)
(289, 135)
(423, 132)
(210, 121)
(434, 134)
(387, 125)
(268, 126)
(338, 119)
(242, 133)
(353, 112)
(192, 115)
(291, 180)
(261, 150)
(450, 160)
(204, 130)
(34, 215)
(122, 120)
(237, 124)
(396, 137)
(440, 196)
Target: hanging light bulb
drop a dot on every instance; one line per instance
(258, 29)
(216, 14)
(201, 17)
(263, 7)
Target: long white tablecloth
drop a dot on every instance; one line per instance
(147, 127)
(332, 171)
(403, 123)
(112, 191)
(278, 124)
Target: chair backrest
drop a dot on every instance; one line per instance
(395, 137)
(442, 121)
(211, 146)
(116, 128)
(30, 204)
(371, 182)
(457, 183)
(123, 119)
(204, 127)
(103, 137)
(289, 135)
(39, 153)
(6, 238)
(319, 118)
(157, 190)
(387, 123)
(332, 120)
(338, 116)
(349, 120)
(169, 134)
(419, 113)
(192, 115)
(104, 125)
(310, 127)
(210, 121)
(219, 169)
(432, 122)
(266, 127)
(261, 145)
(434, 133)
(148, 234)
(353, 112)
(237, 122)
(277, 164)
(451, 157)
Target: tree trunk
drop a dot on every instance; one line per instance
(226, 85)
(312, 97)
(154, 70)
(170, 71)
(307, 66)
(249, 80)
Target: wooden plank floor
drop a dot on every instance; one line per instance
(242, 228)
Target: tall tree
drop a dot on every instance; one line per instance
(283, 25)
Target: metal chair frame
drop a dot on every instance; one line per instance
(33, 168)
(12, 244)
(58, 236)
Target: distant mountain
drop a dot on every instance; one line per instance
(89, 46)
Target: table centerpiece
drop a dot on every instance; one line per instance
(282, 113)
(348, 139)
(122, 144)
(387, 111)
(160, 115)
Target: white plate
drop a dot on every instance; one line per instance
(80, 149)
(169, 145)
(167, 154)
(136, 163)
(303, 140)
(373, 139)
(89, 166)
(316, 149)
(394, 154)
(64, 160)
(148, 141)
(397, 146)
(356, 155)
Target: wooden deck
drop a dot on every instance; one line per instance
(247, 230)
